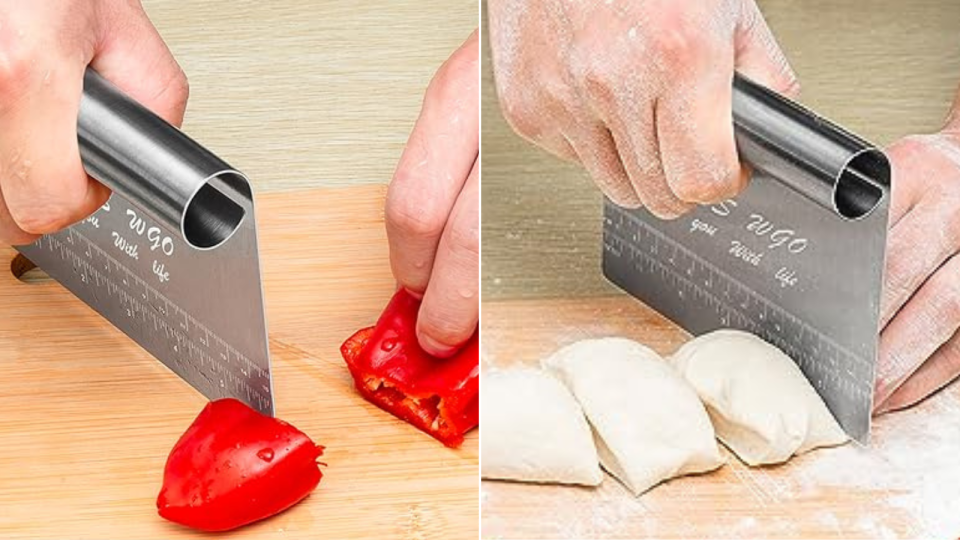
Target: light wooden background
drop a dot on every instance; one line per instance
(306, 93)
(882, 68)
(296, 94)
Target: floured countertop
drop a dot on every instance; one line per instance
(904, 484)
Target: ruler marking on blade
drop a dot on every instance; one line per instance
(728, 279)
(90, 274)
(827, 376)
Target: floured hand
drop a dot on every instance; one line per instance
(639, 92)
(920, 312)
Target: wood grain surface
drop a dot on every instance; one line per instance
(89, 417)
(905, 484)
(299, 93)
(882, 68)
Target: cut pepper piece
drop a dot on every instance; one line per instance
(234, 466)
(437, 395)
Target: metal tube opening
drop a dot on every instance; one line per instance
(860, 187)
(211, 217)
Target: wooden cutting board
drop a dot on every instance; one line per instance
(88, 418)
(905, 484)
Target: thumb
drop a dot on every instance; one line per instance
(758, 56)
(132, 55)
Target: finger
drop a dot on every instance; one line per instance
(527, 116)
(44, 185)
(926, 322)
(918, 244)
(908, 156)
(624, 101)
(596, 150)
(558, 145)
(450, 309)
(759, 57)
(435, 164)
(134, 57)
(634, 134)
(695, 132)
(10, 232)
(938, 371)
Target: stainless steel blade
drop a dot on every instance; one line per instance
(797, 258)
(171, 260)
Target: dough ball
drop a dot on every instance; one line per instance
(648, 424)
(761, 405)
(534, 431)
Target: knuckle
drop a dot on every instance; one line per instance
(533, 110)
(558, 96)
(598, 80)
(174, 92)
(517, 110)
(677, 42)
(707, 186)
(180, 87)
(600, 76)
(897, 282)
(455, 79)
(946, 305)
(952, 299)
(466, 240)
(952, 203)
(412, 217)
(16, 67)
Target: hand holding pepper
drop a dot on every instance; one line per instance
(433, 206)
(437, 395)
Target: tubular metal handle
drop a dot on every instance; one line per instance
(813, 156)
(157, 167)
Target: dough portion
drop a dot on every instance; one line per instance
(761, 405)
(534, 430)
(648, 423)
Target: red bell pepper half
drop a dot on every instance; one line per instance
(234, 466)
(437, 395)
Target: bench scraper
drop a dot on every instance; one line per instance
(797, 258)
(171, 259)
